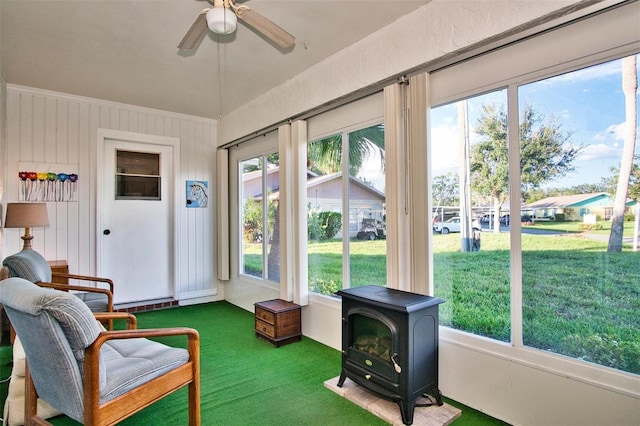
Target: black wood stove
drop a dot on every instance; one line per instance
(390, 344)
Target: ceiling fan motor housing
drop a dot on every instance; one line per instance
(221, 19)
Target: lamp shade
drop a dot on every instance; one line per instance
(221, 20)
(26, 215)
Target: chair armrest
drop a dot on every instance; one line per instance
(132, 321)
(84, 278)
(68, 287)
(191, 333)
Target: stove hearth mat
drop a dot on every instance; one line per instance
(388, 410)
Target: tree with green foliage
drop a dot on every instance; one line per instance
(325, 155)
(609, 184)
(546, 153)
(446, 190)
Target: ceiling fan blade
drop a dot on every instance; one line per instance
(195, 33)
(265, 27)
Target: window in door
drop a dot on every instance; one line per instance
(137, 175)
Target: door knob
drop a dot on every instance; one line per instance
(106, 232)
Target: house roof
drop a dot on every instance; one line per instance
(313, 180)
(319, 180)
(576, 200)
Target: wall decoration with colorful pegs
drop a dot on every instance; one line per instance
(47, 185)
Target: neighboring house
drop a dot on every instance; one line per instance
(575, 207)
(365, 201)
(324, 193)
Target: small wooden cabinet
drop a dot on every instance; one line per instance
(59, 266)
(278, 322)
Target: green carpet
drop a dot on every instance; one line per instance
(246, 381)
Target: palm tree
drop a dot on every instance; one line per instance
(325, 155)
(629, 87)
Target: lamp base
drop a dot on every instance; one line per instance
(27, 237)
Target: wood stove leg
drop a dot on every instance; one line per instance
(406, 409)
(438, 397)
(343, 377)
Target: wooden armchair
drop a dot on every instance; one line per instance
(31, 266)
(86, 372)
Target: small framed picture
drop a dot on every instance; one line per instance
(197, 193)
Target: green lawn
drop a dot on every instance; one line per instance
(573, 227)
(578, 300)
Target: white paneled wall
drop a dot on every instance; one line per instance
(50, 127)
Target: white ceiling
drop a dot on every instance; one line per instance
(125, 50)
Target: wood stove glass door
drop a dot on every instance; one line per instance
(372, 344)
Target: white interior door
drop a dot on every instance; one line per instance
(135, 219)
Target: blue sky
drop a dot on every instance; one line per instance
(589, 103)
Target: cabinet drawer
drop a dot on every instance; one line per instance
(265, 328)
(265, 316)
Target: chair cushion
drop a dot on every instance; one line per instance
(28, 264)
(97, 302)
(129, 363)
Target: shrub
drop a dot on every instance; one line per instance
(314, 227)
(326, 287)
(559, 217)
(331, 224)
(590, 227)
(323, 225)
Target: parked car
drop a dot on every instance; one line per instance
(486, 218)
(453, 225)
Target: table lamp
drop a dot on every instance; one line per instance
(26, 215)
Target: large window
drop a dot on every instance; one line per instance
(346, 249)
(470, 193)
(259, 188)
(580, 295)
(547, 181)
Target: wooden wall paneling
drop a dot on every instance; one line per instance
(183, 222)
(191, 170)
(51, 127)
(83, 263)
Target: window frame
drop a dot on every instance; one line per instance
(526, 62)
(264, 145)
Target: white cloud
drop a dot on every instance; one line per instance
(444, 149)
(599, 151)
(617, 130)
(591, 73)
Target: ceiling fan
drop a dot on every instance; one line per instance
(222, 18)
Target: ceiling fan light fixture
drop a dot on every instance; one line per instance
(221, 20)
